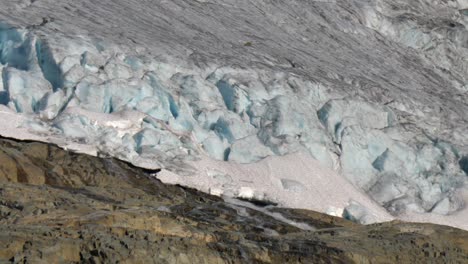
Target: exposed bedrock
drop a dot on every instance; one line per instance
(103, 210)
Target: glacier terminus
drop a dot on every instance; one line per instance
(355, 108)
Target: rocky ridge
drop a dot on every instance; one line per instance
(63, 207)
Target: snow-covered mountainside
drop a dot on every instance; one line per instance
(374, 90)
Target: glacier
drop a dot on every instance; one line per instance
(375, 91)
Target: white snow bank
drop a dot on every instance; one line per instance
(458, 219)
(316, 187)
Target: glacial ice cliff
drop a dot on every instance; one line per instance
(375, 90)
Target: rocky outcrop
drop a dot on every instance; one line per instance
(63, 207)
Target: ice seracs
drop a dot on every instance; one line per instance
(229, 114)
(375, 91)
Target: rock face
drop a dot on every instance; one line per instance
(63, 207)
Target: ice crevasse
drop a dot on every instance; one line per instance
(163, 113)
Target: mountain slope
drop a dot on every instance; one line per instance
(105, 211)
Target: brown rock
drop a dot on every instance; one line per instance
(8, 169)
(37, 151)
(10, 248)
(106, 211)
